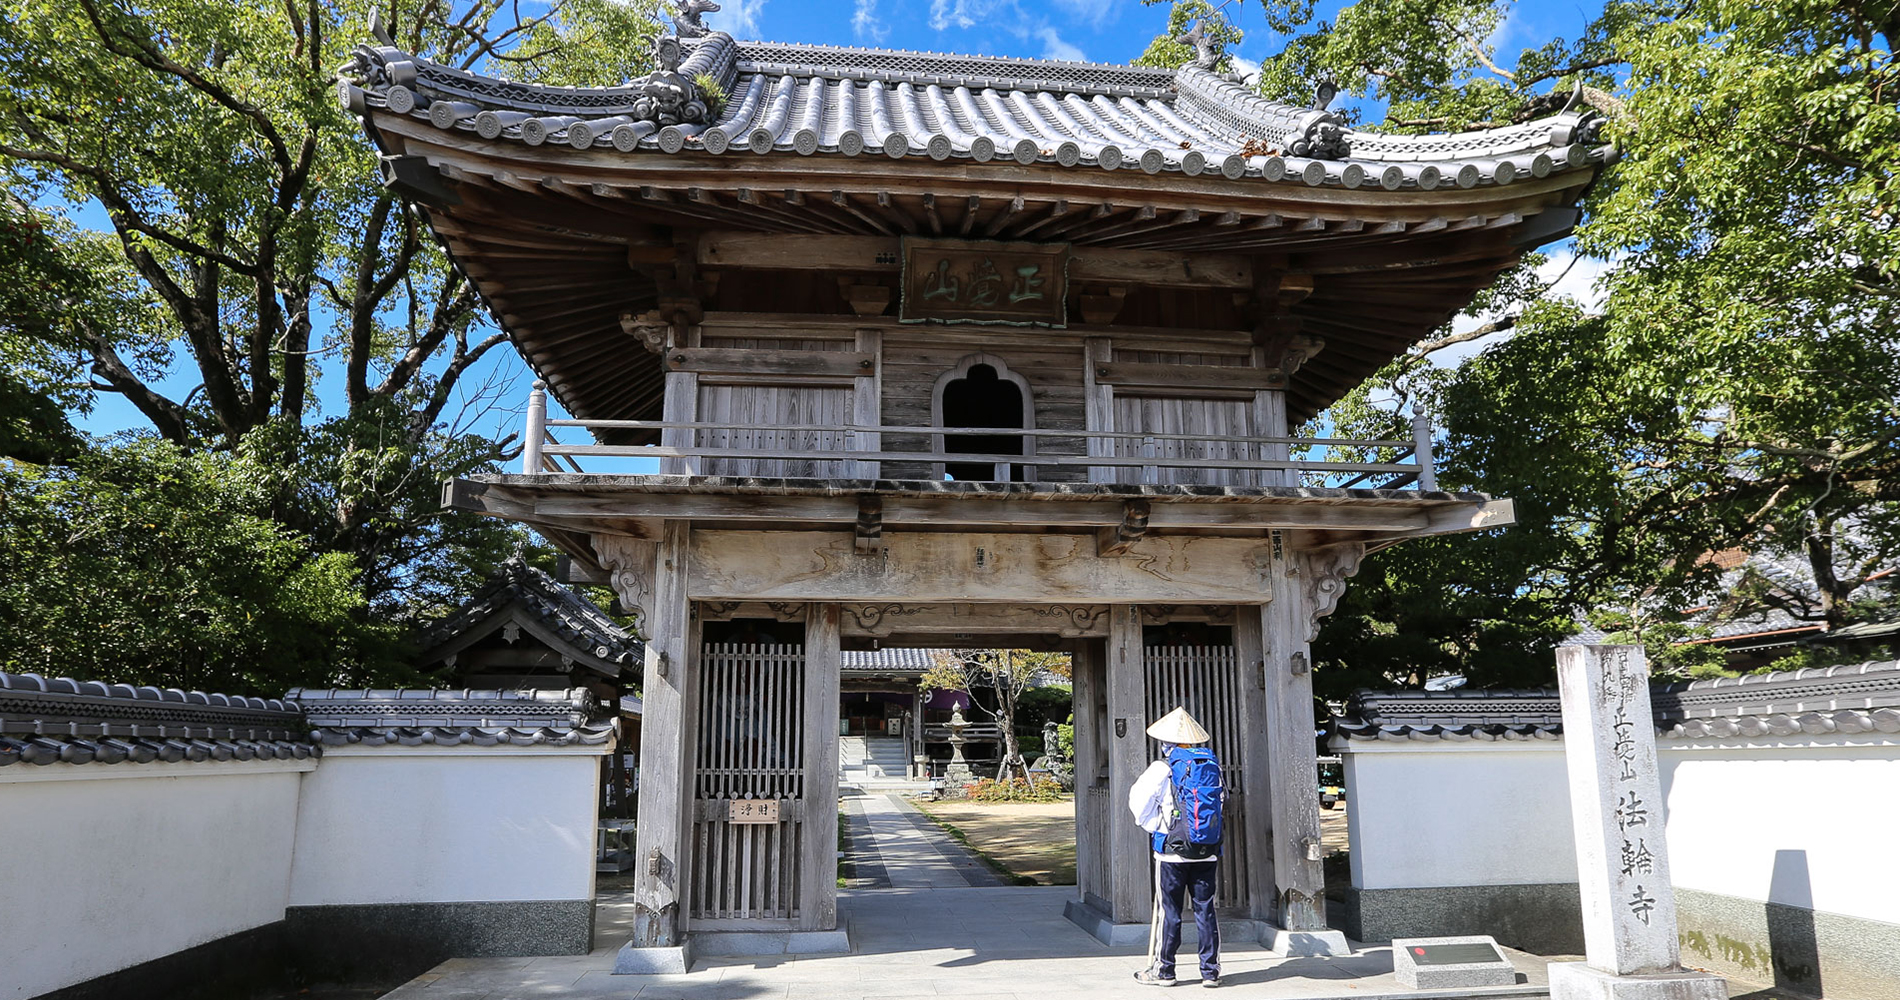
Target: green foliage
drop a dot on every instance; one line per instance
(1038, 706)
(141, 563)
(1737, 388)
(1014, 790)
(249, 237)
(715, 95)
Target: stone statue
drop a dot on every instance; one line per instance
(687, 22)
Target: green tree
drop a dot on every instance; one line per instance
(1009, 673)
(1738, 387)
(251, 247)
(146, 564)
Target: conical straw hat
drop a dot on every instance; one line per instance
(1178, 727)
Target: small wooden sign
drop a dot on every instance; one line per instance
(753, 811)
(974, 281)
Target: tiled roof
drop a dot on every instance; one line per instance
(1853, 698)
(887, 661)
(823, 100)
(570, 624)
(61, 720)
(453, 718)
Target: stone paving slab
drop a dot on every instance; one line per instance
(923, 942)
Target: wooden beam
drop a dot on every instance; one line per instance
(880, 255)
(1189, 376)
(941, 567)
(870, 525)
(882, 619)
(767, 361)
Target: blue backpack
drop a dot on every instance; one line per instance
(1194, 828)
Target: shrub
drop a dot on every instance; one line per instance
(1014, 790)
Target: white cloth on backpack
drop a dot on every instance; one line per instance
(1151, 799)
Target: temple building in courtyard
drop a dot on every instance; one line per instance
(929, 350)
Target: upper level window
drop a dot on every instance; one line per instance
(981, 392)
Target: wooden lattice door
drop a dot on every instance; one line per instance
(1207, 681)
(751, 748)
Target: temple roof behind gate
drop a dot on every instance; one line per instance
(562, 204)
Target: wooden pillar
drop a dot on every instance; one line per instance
(1091, 776)
(867, 405)
(1130, 873)
(666, 747)
(1098, 402)
(818, 867)
(1256, 762)
(681, 406)
(1304, 585)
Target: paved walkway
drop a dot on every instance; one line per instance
(968, 943)
(907, 850)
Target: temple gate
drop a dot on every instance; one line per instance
(925, 346)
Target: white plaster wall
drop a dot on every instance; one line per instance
(1808, 822)
(1440, 814)
(110, 865)
(418, 824)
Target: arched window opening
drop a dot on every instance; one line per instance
(982, 392)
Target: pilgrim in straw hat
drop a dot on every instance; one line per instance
(1179, 728)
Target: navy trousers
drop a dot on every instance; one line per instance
(1194, 880)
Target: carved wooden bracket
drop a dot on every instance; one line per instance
(630, 566)
(650, 328)
(870, 526)
(1326, 570)
(1115, 541)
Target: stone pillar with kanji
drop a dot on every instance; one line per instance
(1616, 804)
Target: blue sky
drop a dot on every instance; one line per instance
(1113, 31)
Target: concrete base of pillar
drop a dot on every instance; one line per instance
(1305, 944)
(750, 943)
(1577, 981)
(653, 961)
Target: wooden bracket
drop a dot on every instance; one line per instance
(870, 526)
(1115, 541)
(1101, 308)
(865, 298)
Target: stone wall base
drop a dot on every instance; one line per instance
(1577, 981)
(1797, 949)
(233, 965)
(365, 941)
(1544, 918)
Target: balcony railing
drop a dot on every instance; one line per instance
(849, 451)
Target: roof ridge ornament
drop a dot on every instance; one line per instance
(1320, 133)
(668, 96)
(687, 23)
(1206, 49)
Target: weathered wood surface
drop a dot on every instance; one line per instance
(1187, 377)
(818, 868)
(1194, 438)
(760, 442)
(1092, 814)
(1131, 855)
(885, 618)
(948, 568)
(750, 747)
(1257, 757)
(879, 254)
(666, 744)
(867, 401)
(771, 361)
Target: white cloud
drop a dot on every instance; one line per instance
(1247, 68)
(1093, 11)
(738, 18)
(963, 13)
(866, 24)
(1053, 47)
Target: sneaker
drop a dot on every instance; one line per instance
(1210, 981)
(1149, 977)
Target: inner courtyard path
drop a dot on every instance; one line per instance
(906, 848)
